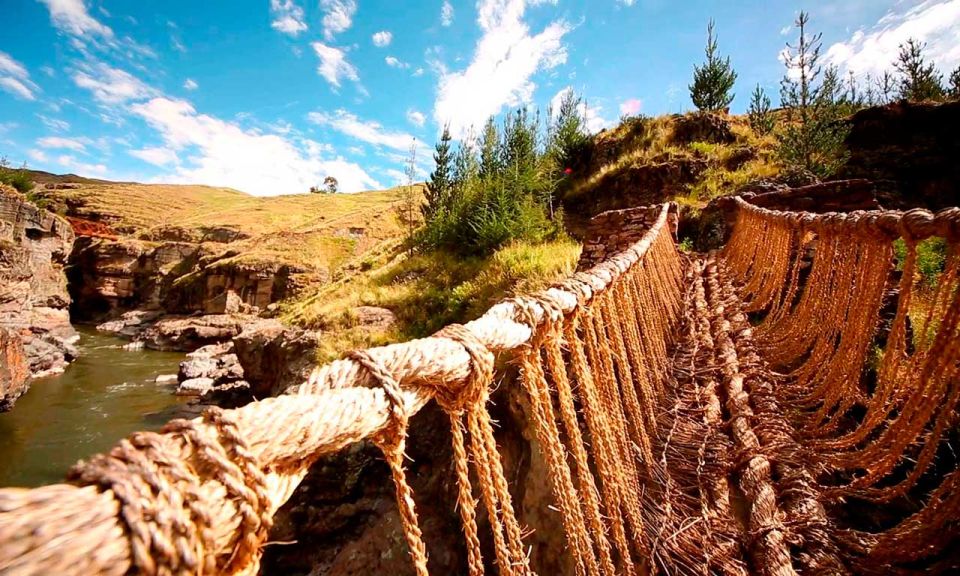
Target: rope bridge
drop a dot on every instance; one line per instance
(754, 411)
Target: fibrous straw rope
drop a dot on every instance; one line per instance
(198, 497)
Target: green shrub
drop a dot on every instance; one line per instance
(931, 258)
(18, 178)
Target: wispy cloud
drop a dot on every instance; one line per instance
(71, 16)
(55, 124)
(395, 62)
(287, 17)
(191, 84)
(873, 49)
(337, 16)
(15, 79)
(446, 13)
(110, 85)
(366, 131)
(57, 142)
(506, 57)
(416, 118)
(333, 64)
(156, 156)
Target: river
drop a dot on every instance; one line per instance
(102, 397)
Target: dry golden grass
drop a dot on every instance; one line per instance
(312, 231)
(426, 291)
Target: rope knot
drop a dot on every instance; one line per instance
(393, 436)
(475, 389)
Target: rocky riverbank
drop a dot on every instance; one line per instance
(36, 337)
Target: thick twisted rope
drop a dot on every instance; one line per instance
(340, 404)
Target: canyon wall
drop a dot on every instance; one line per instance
(34, 302)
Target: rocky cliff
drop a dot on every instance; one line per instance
(34, 302)
(913, 145)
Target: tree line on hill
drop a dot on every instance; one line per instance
(502, 185)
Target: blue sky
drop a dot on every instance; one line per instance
(270, 96)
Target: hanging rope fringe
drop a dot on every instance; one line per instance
(752, 412)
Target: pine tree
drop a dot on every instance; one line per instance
(813, 139)
(713, 82)
(466, 168)
(761, 120)
(437, 195)
(955, 84)
(568, 130)
(918, 80)
(885, 88)
(489, 147)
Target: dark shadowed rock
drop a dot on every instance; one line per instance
(916, 145)
(275, 357)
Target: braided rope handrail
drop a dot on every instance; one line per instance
(70, 529)
(917, 223)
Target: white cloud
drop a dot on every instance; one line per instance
(156, 156)
(333, 64)
(394, 62)
(287, 17)
(81, 168)
(337, 16)
(71, 16)
(627, 3)
(16, 87)
(446, 13)
(366, 131)
(15, 79)
(9, 66)
(37, 155)
(54, 124)
(75, 144)
(220, 153)
(416, 118)
(505, 59)
(631, 106)
(418, 72)
(382, 38)
(191, 84)
(873, 50)
(111, 85)
(591, 115)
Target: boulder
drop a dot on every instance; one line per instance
(195, 387)
(373, 317)
(130, 324)
(167, 379)
(188, 333)
(14, 369)
(275, 357)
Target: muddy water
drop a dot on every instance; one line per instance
(103, 396)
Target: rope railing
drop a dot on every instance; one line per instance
(695, 415)
(199, 496)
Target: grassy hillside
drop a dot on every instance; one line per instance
(310, 231)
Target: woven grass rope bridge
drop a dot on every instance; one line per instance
(784, 406)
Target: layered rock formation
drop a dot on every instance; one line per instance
(34, 302)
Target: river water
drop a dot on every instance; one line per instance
(102, 397)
